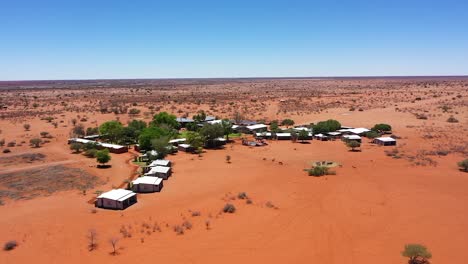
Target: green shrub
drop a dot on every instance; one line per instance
(319, 171)
(463, 165)
(229, 208)
(382, 128)
(353, 144)
(417, 254)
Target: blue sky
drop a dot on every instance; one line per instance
(86, 39)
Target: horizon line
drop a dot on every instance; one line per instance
(239, 78)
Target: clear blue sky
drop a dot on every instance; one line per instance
(88, 39)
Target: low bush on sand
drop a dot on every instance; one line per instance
(320, 171)
(229, 208)
(10, 245)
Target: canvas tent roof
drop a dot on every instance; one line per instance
(117, 195)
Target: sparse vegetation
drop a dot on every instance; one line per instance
(102, 156)
(10, 245)
(463, 165)
(92, 239)
(353, 145)
(318, 171)
(417, 254)
(35, 142)
(452, 119)
(113, 241)
(229, 208)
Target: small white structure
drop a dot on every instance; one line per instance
(160, 162)
(257, 128)
(185, 147)
(177, 141)
(283, 136)
(359, 130)
(302, 128)
(334, 135)
(117, 199)
(217, 121)
(147, 184)
(385, 141)
(159, 171)
(321, 137)
(352, 137)
(266, 135)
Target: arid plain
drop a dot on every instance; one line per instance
(380, 199)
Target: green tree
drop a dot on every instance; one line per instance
(138, 125)
(153, 132)
(274, 126)
(326, 126)
(200, 117)
(372, 134)
(294, 136)
(111, 130)
(91, 153)
(382, 128)
(102, 156)
(35, 142)
(44, 134)
(76, 147)
(195, 139)
(90, 145)
(27, 127)
(303, 135)
(165, 118)
(417, 254)
(161, 146)
(210, 132)
(463, 165)
(287, 122)
(92, 131)
(353, 144)
(227, 127)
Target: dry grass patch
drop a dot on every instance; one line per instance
(45, 181)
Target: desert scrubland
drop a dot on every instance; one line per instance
(380, 198)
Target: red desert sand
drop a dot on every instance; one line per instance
(380, 199)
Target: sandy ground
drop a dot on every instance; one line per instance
(366, 213)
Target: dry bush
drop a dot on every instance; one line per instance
(10, 245)
(229, 208)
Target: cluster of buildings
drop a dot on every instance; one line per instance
(151, 181)
(159, 170)
(260, 131)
